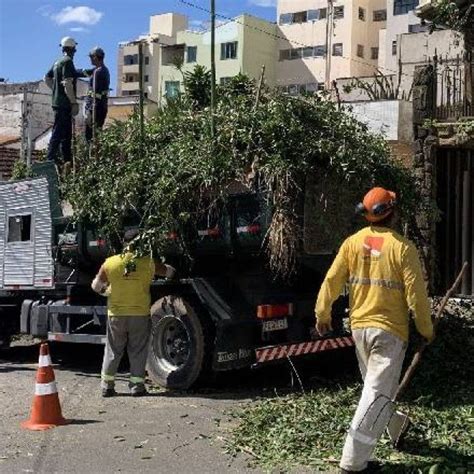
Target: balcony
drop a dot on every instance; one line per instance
(130, 86)
(130, 69)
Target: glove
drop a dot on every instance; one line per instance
(170, 272)
(74, 109)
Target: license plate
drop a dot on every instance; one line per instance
(274, 325)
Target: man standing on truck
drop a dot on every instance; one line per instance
(126, 280)
(385, 280)
(61, 79)
(97, 96)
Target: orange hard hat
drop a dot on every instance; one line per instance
(378, 204)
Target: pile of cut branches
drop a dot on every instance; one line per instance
(265, 139)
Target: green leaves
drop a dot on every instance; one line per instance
(166, 182)
(309, 430)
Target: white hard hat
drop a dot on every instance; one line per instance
(68, 42)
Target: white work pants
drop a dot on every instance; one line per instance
(380, 355)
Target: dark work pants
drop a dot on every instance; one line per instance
(61, 136)
(100, 116)
(131, 333)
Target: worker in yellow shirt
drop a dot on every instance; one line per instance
(385, 280)
(126, 280)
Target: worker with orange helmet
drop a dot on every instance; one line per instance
(385, 279)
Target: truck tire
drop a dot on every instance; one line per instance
(179, 349)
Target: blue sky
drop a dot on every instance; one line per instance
(30, 30)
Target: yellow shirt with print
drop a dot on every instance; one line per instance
(129, 292)
(385, 280)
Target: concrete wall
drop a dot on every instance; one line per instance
(168, 24)
(41, 116)
(391, 118)
(418, 48)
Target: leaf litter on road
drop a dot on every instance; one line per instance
(286, 432)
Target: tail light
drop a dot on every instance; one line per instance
(249, 229)
(269, 311)
(214, 232)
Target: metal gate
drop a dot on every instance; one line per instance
(455, 199)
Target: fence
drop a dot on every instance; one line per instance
(454, 88)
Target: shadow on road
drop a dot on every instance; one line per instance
(85, 361)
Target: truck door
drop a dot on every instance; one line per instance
(19, 248)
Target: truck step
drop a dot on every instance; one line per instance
(281, 351)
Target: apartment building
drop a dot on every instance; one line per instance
(243, 45)
(347, 29)
(163, 31)
(401, 19)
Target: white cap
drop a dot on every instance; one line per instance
(68, 42)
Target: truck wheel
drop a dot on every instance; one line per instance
(177, 355)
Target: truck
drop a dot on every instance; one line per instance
(226, 312)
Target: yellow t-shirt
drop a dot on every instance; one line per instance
(129, 294)
(385, 280)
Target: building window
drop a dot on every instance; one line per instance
(296, 53)
(191, 55)
(147, 60)
(361, 13)
(286, 18)
(400, 7)
(172, 89)
(313, 15)
(146, 79)
(308, 52)
(337, 49)
(418, 28)
(338, 12)
(229, 50)
(130, 59)
(374, 53)
(380, 15)
(323, 13)
(360, 51)
(284, 54)
(319, 50)
(225, 80)
(145, 95)
(394, 48)
(300, 17)
(19, 228)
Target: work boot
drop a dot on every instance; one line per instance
(373, 467)
(138, 390)
(108, 392)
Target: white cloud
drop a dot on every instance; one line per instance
(84, 15)
(263, 3)
(45, 10)
(79, 29)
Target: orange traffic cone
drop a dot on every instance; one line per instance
(46, 410)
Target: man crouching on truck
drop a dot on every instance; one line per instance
(126, 280)
(385, 280)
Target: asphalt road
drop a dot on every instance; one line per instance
(164, 432)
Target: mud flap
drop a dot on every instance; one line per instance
(235, 344)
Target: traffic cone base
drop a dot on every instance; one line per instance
(46, 410)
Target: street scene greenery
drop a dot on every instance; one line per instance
(286, 432)
(171, 171)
